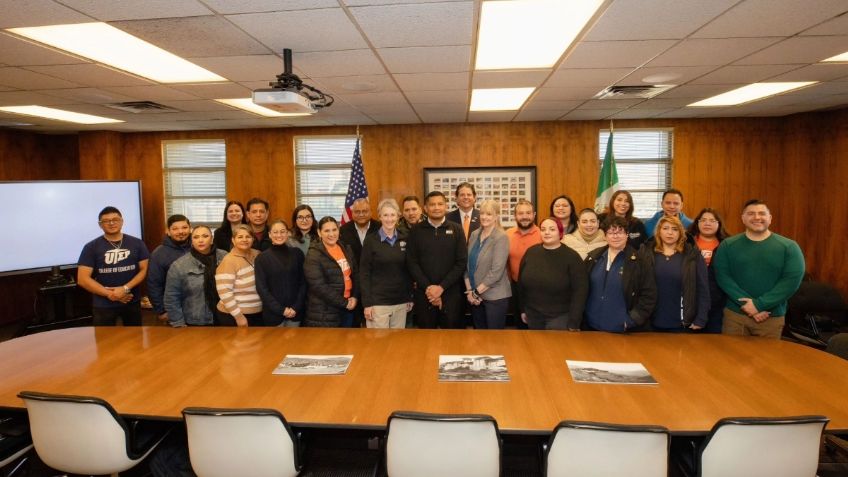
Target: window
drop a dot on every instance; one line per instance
(322, 172)
(195, 180)
(643, 161)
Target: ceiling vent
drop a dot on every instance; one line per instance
(142, 107)
(633, 92)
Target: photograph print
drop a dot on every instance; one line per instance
(473, 368)
(609, 373)
(305, 364)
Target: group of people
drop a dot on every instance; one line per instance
(420, 264)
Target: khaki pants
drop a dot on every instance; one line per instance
(387, 316)
(743, 325)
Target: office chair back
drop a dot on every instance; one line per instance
(82, 435)
(228, 442)
(424, 445)
(776, 447)
(590, 449)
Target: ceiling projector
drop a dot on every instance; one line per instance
(289, 94)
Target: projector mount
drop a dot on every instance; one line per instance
(289, 81)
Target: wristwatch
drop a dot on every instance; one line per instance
(127, 289)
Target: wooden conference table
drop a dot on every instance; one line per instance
(157, 371)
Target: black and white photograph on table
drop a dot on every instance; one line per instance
(472, 368)
(506, 185)
(609, 373)
(313, 364)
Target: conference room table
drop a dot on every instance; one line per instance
(157, 371)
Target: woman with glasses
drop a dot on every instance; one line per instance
(708, 231)
(622, 290)
(621, 205)
(683, 291)
(305, 229)
(190, 293)
(279, 279)
(330, 272)
(233, 216)
(235, 280)
(588, 236)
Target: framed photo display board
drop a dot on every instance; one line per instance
(507, 185)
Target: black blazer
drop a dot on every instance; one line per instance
(455, 216)
(349, 237)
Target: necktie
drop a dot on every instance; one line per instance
(466, 223)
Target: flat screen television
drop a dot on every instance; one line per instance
(48, 222)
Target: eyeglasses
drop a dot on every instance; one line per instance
(111, 221)
(708, 221)
(304, 217)
(616, 232)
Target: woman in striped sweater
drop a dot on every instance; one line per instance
(236, 283)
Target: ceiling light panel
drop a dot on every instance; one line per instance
(841, 58)
(108, 45)
(499, 99)
(248, 105)
(518, 34)
(751, 92)
(58, 114)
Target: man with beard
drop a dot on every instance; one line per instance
(257, 218)
(524, 235)
(411, 213)
(175, 244)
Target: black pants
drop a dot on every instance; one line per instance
(226, 319)
(451, 315)
(130, 315)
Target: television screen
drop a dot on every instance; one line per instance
(49, 222)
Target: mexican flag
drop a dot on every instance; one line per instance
(608, 181)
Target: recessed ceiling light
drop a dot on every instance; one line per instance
(499, 99)
(247, 104)
(108, 45)
(58, 114)
(752, 92)
(518, 34)
(837, 59)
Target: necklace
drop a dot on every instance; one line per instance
(118, 246)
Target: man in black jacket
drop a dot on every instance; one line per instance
(257, 218)
(353, 235)
(437, 257)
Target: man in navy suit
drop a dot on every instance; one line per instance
(465, 214)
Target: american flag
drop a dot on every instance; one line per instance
(356, 188)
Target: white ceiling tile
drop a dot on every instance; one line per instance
(306, 121)
(152, 93)
(443, 117)
(429, 109)
(655, 19)
(110, 10)
(338, 63)
(615, 54)
(539, 115)
(30, 80)
(243, 68)
(18, 52)
(18, 13)
(196, 105)
(194, 36)
(434, 97)
(155, 126)
(805, 49)
(561, 106)
(356, 84)
(610, 103)
(431, 81)
(491, 116)
(836, 26)
(90, 74)
(373, 99)
(589, 114)
(95, 109)
(25, 98)
(302, 31)
(395, 117)
(355, 3)
(743, 74)
(597, 78)
(639, 113)
(509, 79)
(89, 95)
(681, 113)
(436, 59)
(831, 88)
(360, 120)
(770, 18)
(711, 51)
(251, 6)
(820, 72)
(417, 24)
(698, 91)
(216, 90)
(663, 103)
(683, 74)
(566, 94)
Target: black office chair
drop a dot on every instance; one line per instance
(815, 312)
(15, 442)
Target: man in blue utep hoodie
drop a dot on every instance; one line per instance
(177, 242)
(672, 206)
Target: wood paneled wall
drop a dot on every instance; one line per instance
(26, 156)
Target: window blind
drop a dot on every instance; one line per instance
(195, 180)
(322, 172)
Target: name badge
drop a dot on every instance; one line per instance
(448, 232)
